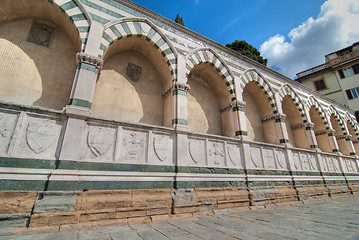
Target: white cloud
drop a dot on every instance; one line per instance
(336, 27)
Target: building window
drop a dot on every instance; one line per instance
(320, 85)
(353, 93)
(348, 72)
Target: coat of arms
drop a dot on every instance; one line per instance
(41, 135)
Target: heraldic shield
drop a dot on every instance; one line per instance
(98, 140)
(41, 135)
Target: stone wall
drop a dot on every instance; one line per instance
(159, 122)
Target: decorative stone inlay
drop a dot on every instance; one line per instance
(274, 116)
(162, 146)
(40, 34)
(41, 135)
(98, 140)
(89, 59)
(134, 72)
(176, 86)
(197, 150)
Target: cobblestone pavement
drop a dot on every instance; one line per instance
(333, 219)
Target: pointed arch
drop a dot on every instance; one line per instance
(141, 27)
(285, 90)
(352, 121)
(313, 102)
(333, 111)
(252, 75)
(78, 15)
(207, 55)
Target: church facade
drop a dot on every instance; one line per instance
(110, 113)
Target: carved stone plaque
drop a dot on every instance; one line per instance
(296, 161)
(40, 34)
(41, 135)
(312, 163)
(100, 140)
(163, 146)
(234, 155)
(269, 161)
(133, 147)
(197, 150)
(216, 154)
(7, 125)
(280, 157)
(256, 157)
(133, 72)
(305, 162)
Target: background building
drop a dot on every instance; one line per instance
(337, 78)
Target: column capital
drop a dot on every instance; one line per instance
(176, 86)
(278, 117)
(238, 103)
(82, 57)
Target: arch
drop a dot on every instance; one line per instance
(33, 33)
(140, 27)
(287, 90)
(333, 111)
(351, 120)
(207, 55)
(252, 75)
(79, 16)
(313, 102)
(73, 9)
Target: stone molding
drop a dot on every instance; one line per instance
(235, 103)
(302, 125)
(89, 59)
(326, 131)
(176, 86)
(274, 116)
(346, 137)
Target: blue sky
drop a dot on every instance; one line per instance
(293, 34)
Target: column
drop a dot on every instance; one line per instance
(240, 119)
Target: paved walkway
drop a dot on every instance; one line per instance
(333, 219)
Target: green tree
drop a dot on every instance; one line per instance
(248, 50)
(179, 20)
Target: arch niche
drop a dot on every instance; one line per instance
(355, 135)
(211, 94)
(38, 46)
(321, 127)
(295, 119)
(340, 132)
(260, 108)
(139, 65)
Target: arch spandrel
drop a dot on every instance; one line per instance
(207, 55)
(139, 27)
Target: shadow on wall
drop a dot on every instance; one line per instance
(203, 107)
(38, 64)
(130, 89)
